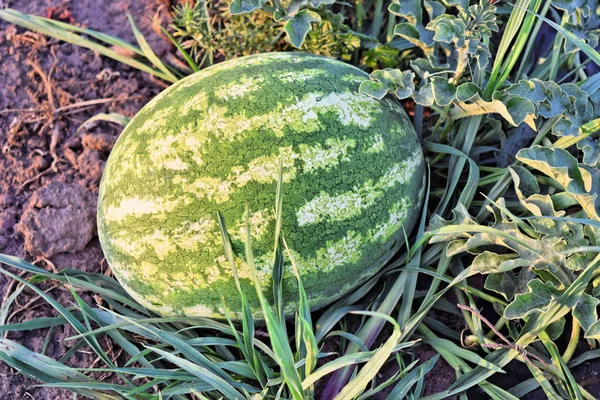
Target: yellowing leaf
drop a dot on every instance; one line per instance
(481, 107)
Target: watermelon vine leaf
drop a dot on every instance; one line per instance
(318, 3)
(538, 298)
(544, 249)
(586, 311)
(299, 17)
(579, 7)
(244, 6)
(467, 91)
(579, 180)
(412, 28)
(393, 81)
(508, 285)
(297, 27)
(515, 111)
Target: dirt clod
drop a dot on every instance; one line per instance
(59, 218)
(8, 218)
(39, 162)
(90, 164)
(98, 141)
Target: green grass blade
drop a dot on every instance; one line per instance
(87, 385)
(403, 387)
(7, 304)
(337, 364)
(519, 44)
(571, 37)
(470, 188)
(186, 388)
(463, 353)
(279, 341)
(369, 394)
(350, 337)
(92, 339)
(246, 345)
(97, 283)
(58, 31)
(330, 318)
(307, 342)
(37, 323)
(357, 385)
(42, 363)
(204, 374)
(525, 62)
(71, 319)
(108, 39)
(278, 261)
(45, 368)
(567, 377)
(510, 31)
(524, 388)
(111, 117)
(183, 51)
(310, 344)
(148, 52)
(546, 386)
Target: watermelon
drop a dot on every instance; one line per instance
(353, 181)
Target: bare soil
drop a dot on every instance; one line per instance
(50, 171)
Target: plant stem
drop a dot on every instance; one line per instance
(377, 19)
(209, 29)
(498, 325)
(390, 27)
(558, 43)
(575, 330)
(465, 313)
(360, 15)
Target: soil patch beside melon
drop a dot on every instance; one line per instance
(34, 223)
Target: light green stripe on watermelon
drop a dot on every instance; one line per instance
(353, 178)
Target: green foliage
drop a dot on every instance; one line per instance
(241, 29)
(223, 36)
(537, 241)
(331, 37)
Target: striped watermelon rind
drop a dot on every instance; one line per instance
(353, 181)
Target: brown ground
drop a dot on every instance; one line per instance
(49, 172)
(46, 213)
